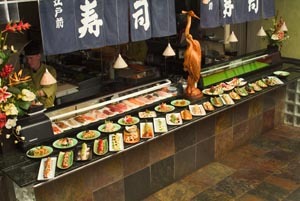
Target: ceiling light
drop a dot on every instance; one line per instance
(232, 38)
(120, 63)
(169, 52)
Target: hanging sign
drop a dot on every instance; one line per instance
(89, 23)
(115, 25)
(209, 14)
(71, 25)
(241, 11)
(58, 25)
(268, 8)
(234, 11)
(162, 18)
(254, 10)
(227, 11)
(140, 20)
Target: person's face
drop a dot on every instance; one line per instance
(34, 61)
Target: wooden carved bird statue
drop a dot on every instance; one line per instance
(192, 59)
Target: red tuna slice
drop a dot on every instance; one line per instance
(115, 108)
(122, 106)
(107, 111)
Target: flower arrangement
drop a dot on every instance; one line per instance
(278, 32)
(15, 93)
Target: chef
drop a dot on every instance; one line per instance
(37, 70)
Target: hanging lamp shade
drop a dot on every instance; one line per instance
(47, 79)
(283, 27)
(232, 38)
(205, 1)
(261, 32)
(120, 63)
(169, 52)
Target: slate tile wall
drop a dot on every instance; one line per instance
(145, 169)
(162, 148)
(162, 173)
(137, 186)
(136, 159)
(185, 137)
(185, 162)
(112, 192)
(205, 151)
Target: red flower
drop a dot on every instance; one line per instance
(19, 27)
(10, 28)
(6, 70)
(2, 120)
(22, 26)
(4, 95)
(280, 35)
(25, 26)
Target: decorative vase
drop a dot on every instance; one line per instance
(6, 145)
(273, 48)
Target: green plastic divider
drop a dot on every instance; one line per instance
(233, 72)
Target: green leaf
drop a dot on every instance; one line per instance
(2, 55)
(21, 112)
(14, 90)
(24, 104)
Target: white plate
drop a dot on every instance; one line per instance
(281, 73)
(120, 145)
(150, 130)
(52, 170)
(147, 114)
(237, 82)
(218, 91)
(276, 80)
(174, 116)
(197, 110)
(227, 100)
(160, 125)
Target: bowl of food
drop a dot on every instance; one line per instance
(281, 73)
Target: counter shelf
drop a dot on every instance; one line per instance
(24, 171)
(240, 67)
(108, 99)
(32, 165)
(33, 125)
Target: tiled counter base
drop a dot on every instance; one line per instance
(138, 172)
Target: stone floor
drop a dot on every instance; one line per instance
(266, 169)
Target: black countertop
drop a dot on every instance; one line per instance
(24, 171)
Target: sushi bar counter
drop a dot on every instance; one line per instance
(150, 135)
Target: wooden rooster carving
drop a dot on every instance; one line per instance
(192, 59)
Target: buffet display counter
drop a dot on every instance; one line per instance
(134, 169)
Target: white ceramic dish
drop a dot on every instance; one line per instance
(160, 125)
(116, 145)
(174, 119)
(42, 167)
(197, 110)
